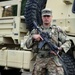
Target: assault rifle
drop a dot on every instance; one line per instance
(46, 40)
(45, 36)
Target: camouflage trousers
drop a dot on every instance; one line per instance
(50, 65)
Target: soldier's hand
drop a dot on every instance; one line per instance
(37, 37)
(60, 48)
(52, 52)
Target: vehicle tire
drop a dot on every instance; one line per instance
(30, 14)
(33, 12)
(69, 64)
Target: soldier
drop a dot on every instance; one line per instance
(47, 60)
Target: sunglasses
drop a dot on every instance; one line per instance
(46, 16)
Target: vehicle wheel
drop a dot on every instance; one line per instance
(33, 12)
(30, 14)
(69, 64)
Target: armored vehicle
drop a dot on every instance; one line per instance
(63, 16)
(15, 58)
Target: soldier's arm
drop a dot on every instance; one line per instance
(30, 41)
(66, 43)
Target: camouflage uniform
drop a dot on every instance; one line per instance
(44, 59)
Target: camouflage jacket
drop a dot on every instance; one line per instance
(58, 37)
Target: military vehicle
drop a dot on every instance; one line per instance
(12, 32)
(15, 58)
(63, 16)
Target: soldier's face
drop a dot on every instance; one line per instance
(46, 19)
